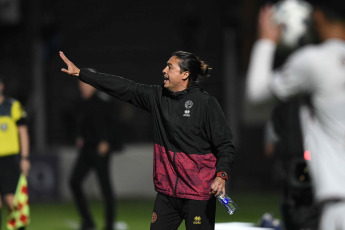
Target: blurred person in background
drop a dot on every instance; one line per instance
(319, 72)
(14, 146)
(284, 144)
(94, 142)
(193, 147)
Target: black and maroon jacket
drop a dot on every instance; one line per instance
(192, 141)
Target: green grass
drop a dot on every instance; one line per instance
(137, 213)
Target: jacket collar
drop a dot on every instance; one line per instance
(180, 94)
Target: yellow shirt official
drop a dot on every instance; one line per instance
(11, 112)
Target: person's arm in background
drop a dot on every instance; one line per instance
(102, 128)
(260, 68)
(262, 81)
(24, 149)
(20, 117)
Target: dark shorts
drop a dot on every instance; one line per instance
(9, 174)
(169, 212)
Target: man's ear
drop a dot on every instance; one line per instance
(185, 75)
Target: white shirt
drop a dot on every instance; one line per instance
(320, 71)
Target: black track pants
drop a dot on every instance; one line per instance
(169, 212)
(86, 162)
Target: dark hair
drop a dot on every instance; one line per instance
(2, 80)
(189, 62)
(334, 10)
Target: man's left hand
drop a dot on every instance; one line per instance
(217, 186)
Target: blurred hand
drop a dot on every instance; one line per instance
(103, 148)
(269, 150)
(71, 68)
(217, 186)
(25, 166)
(267, 28)
(80, 142)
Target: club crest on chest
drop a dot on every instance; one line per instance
(188, 105)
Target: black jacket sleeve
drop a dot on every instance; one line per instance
(220, 136)
(137, 94)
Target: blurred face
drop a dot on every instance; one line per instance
(174, 80)
(86, 90)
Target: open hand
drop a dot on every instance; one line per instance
(268, 29)
(71, 68)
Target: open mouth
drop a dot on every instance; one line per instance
(166, 80)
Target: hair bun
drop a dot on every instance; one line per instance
(204, 69)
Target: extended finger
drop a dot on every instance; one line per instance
(65, 70)
(64, 58)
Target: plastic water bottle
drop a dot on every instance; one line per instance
(227, 203)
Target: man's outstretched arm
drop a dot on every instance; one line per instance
(124, 89)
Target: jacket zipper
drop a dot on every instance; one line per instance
(172, 136)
